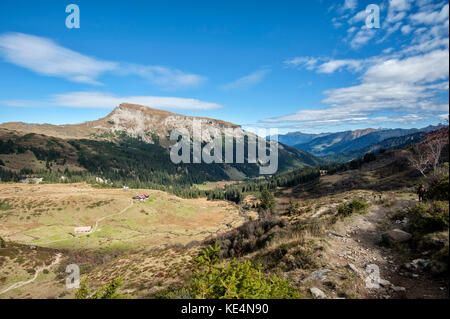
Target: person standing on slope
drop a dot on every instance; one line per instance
(421, 192)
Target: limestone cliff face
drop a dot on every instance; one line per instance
(144, 122)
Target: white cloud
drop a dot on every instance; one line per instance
(333, 65)
(307, 62)
(163, 77)
(44, 56)
(361, 38)
(430, 17)
(417, 69)
(394, 85)
(107, 100)
(247, 81)
(408, 82)
(325, 65)
(360, 16)
(349, 5)
(406, 29)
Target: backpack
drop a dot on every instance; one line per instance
(422, 190)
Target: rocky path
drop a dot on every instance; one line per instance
(356, 246)
(36, 274)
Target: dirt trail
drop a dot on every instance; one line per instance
(36, 274)
(108, 216)
(94, 228)
(357, 243)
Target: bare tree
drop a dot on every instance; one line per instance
(419, 159)
(427, 154)
(435, 143)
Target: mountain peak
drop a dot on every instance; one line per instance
(146, 109)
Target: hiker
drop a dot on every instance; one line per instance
(421, 192)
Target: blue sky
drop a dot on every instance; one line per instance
(311, 66)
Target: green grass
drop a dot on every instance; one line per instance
(5, 206)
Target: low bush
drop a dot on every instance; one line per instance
(439, 261)
(236, 280)
(428, 218)
(250, 236)
(355, 206)
(437, 191)
(109, 291)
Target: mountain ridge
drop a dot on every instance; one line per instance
(329, 144)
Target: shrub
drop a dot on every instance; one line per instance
(433, 241)
(235, 280)
(428, 218)
(355, 206)
(2, 243)
(268, 202)
(439, 261)
(438, 191)
(108, 291)
(438, 183)
(249, 237)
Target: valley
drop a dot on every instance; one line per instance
(152, 245)
(105, 196)
(46, 215)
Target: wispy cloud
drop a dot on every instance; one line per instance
(163, 77)
(108, 100)
(46, 57)
(319, 64)
(349, 5)
(308, 62)
(430, 17)
(362, 37)
(248, 80)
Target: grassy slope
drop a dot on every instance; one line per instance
(123, 159)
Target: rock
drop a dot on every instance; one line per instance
(353, 268)
(421, 263)
(317, 275)
(335, 234)
(384, 283)
(317, 293)
(417, 264)
(395, 236)
(398, 289)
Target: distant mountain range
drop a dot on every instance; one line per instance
(351, 144)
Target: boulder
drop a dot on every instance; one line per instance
(395, 236)
(316, 275)
(417, 264)
(384, 283)
(398, 289)
(317, 293)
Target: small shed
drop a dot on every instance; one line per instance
(83, 229)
